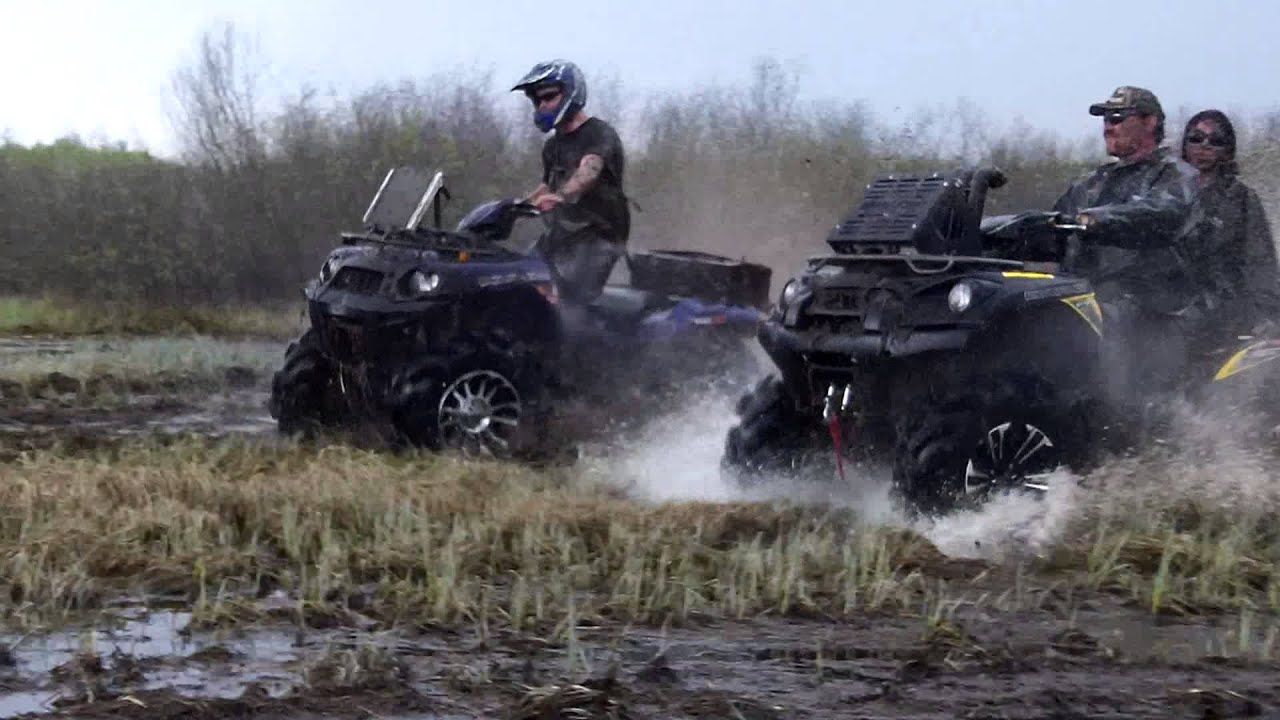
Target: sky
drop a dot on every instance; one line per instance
(102, 69)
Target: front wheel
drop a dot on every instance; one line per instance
(1010, 433)
(306, 396)
(483, 404)
(771, 439)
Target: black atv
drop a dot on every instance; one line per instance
(951, 346)
(459, 339)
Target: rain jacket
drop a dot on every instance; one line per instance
(1235, 255)
(1136, 246)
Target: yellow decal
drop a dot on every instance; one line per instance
(1250, 357)
(1026, 275)
(1087, 307)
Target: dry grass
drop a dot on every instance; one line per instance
(1179, 534)
(437, 539)
(346, 536)
(115, 368)
(47, 316)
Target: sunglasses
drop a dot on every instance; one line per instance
(1115, 117)
(545, 96)
(1199, 138)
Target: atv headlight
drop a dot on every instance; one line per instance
(326, 271)
(960, 297)
(421, 283)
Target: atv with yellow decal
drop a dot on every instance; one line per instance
(1245, 384)
(948, 346)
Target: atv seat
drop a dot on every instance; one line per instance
(625, 305)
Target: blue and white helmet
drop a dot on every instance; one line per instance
(550, 73)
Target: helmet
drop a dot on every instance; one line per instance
(555, 72)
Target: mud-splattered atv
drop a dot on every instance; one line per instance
(947, 346)
(457, 339)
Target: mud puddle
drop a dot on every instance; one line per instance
(82, 389)
(1100, 659)
(11, 347)
(221, 414)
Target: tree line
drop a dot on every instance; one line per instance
(257, 198)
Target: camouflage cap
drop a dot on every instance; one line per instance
(1126, 97)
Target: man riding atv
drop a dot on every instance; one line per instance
(971, 354)
(581, 192)
(1136, 215)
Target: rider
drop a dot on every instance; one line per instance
(1137, 213)
(581, 190)
(1236, 254)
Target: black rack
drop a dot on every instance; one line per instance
(926, 215)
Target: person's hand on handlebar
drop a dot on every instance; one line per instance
(547, 201)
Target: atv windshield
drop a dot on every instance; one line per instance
(404, 199)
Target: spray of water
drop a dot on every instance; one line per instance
(676, 457)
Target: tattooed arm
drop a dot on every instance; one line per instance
(584, 178)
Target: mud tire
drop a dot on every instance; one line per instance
(937, 440)
(419, 390)
(771, 438)
(305, 396)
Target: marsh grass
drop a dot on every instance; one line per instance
(64, 318)
(438, 540)
(118, 367)
(349, 536)
(1178, 535)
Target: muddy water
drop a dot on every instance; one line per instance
(1053, 657)
(1098, 660)
(54, 389)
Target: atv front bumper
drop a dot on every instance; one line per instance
(778, 340)
(373, 335)
(810, 361)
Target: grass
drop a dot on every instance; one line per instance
(440, 540)
(1177, 535)
(433, 539)
(63, 318)
(104, 368)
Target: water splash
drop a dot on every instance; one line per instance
(676, 457)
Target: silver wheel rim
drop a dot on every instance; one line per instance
(480, 414)
(1011, 456)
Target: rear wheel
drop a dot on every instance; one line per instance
(959, 448)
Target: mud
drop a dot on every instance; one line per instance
(1099, 659)
(83, 393)
(1000, 649)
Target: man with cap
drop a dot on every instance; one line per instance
(1137, 213)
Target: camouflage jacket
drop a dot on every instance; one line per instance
(1234, 254)
(1142, 215)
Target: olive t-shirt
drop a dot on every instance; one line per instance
(561, 154)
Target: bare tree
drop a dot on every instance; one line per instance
(216, 118)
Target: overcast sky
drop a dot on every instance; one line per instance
(102, 69)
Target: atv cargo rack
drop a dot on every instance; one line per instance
(931, 215)
(918, 263)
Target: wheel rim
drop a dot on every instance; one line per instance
(1011, 456)
(480, 414)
